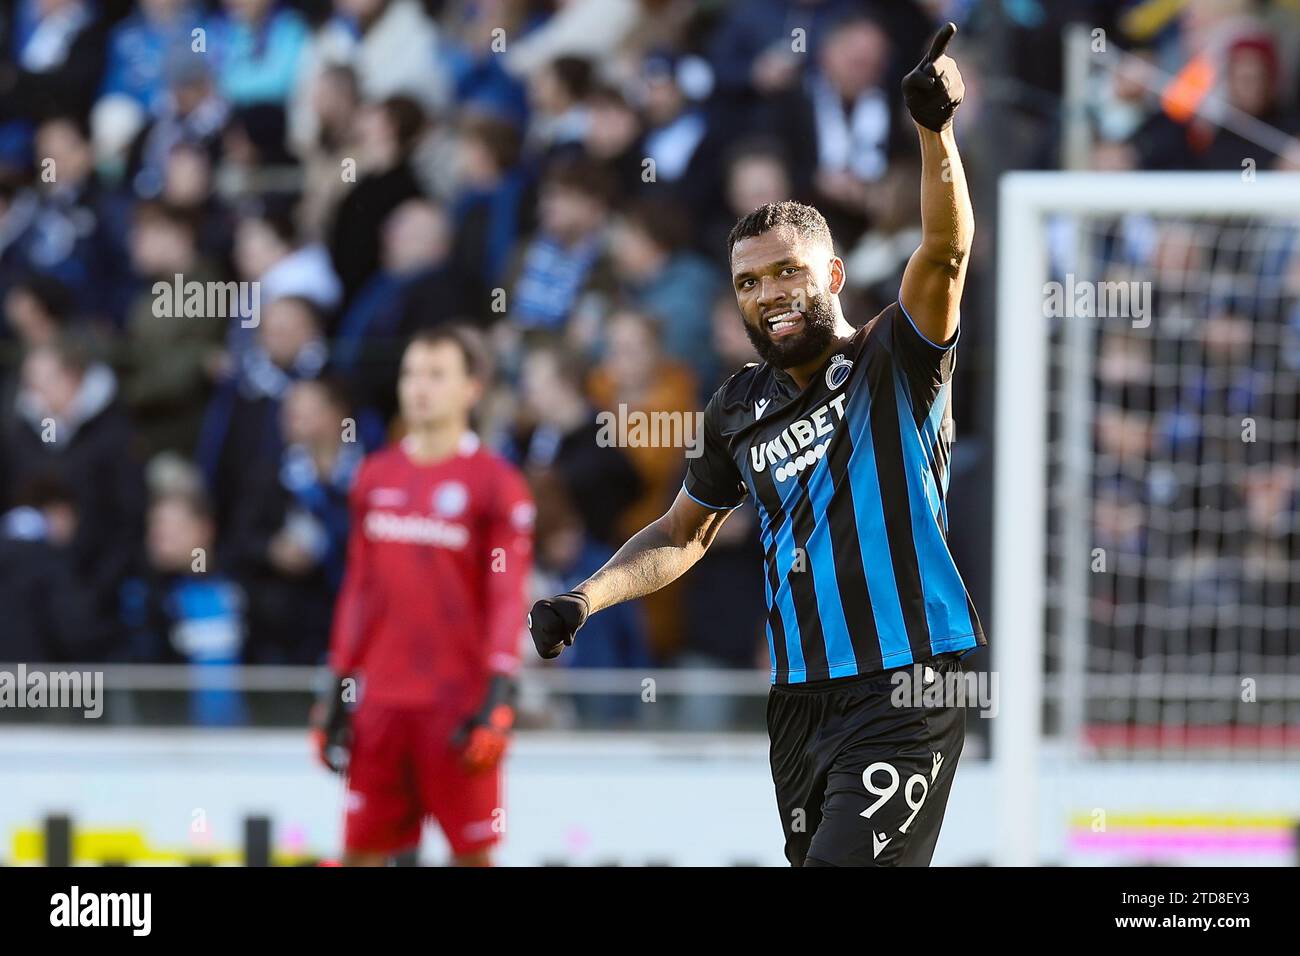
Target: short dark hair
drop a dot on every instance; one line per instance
(663, 220)
(44, 490)
(464, 338)
(80, 124)
(756, 147)
(156, 211)
(54, 298)
(574, 73)
(335, 389)
(408, 120)
(571, 366)
(583, 176)
(805, 220)
(278, 212)
(500, 138)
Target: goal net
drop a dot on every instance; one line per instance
(1146, 625)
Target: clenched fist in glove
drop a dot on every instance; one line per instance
(934, 90)
(554, 622)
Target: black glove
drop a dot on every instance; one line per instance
(332, 728)
(554, 622)
(934, 90)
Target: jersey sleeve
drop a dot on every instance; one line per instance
(712, 478)
(353, 610)
(509, 532)
(924, 365)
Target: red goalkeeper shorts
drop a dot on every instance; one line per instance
(405, 767)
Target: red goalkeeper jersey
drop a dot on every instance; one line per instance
(433, 600)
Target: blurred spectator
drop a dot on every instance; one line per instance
(52, 62)
(672, 88)
(1271, 494)
(755, 172)
(267, 252)
(67, 234)
(389, 131)
(257, 45)
(614, 139)
(557, 92)
(46, 611)
(188, 188)
(166, 360)
(66, 425)
(37, 310)
(192, 112)
(756, 53)
(416, 287)
(567, 257)
(893, 207)
(636, 377)
(288, 535)
(491, 200)
(661, 277)
(139, 48)
(391, 46)
(182, 608)
(1250, 85)
(241, 425)
(471, 52)
(335, 100)
(563, 441)
(17, 209)
(255, 157)
(843, 124)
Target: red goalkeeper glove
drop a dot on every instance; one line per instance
(486, 735)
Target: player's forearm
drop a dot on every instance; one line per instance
(651, 559)
(947, 218)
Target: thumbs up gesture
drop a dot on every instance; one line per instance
(934, 90)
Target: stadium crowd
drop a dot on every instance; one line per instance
(561, 176)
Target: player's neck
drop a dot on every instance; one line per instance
(428, 446)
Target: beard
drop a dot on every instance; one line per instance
(814, 338)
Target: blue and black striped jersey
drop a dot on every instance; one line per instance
(849, 477)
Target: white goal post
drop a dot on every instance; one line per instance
(1021, 501)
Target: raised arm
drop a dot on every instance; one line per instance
(655, 556)
(936, 273)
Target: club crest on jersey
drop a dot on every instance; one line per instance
(450, 498)
(838, 373)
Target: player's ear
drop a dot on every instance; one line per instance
(838, 275)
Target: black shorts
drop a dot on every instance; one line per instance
(860, 781)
